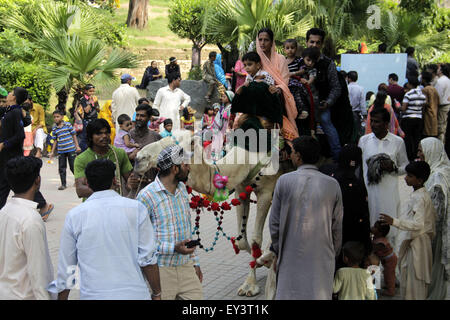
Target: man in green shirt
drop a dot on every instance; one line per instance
(99, 147)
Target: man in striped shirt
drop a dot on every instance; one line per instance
(67, 144)
(167, 203)
(412, 122)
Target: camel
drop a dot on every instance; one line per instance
(240, 175)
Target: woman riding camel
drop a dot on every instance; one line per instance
(276, 65)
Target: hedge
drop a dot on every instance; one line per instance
(28, 76)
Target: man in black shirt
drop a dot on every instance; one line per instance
(12, 134)
(172, 67)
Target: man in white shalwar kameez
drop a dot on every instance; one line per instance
(306, 227)
(384, 197)
(170, 99)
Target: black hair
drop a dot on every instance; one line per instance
(167, 121)
(445, 68)
(29, 97)
(315, 32)
(146, 108)
(385, 116)
(268, 31)
(433, 67)
(61, 113)
(312, 53)
(26, 106)
(343, 73)
(419, 169)
(380, 99)
(94, 127)
(21, 95)
(308, 148)
(141, 100)
(171, 77)
(393, 76)
(354, 251)
(349, 153)
(382, 86)
(413, 81)
(207, 108)
(383, 228)
(369, 94)
(22, 172)
(212, 54)
(89, 86)
(61, 108)
(186, 113)
(410, 51)
(427, 77)
(122, 118)
(291, 41)
(100, 174)
(251, 56)
(382, 47)
(353, 75)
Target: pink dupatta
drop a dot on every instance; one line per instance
(277, 67)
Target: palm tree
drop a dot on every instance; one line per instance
(239, 20)
(65, 37)
(402, 29)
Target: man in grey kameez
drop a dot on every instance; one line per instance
(306, 227)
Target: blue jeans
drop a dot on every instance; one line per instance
(330, 132)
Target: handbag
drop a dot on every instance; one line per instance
(78, 126)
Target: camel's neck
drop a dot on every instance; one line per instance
(201, 175)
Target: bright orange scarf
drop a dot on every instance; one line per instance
(277, 67)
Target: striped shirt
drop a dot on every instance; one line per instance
(64, 137)
(415, 100)
(171, 219)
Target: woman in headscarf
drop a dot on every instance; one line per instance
(432, 151)
(105, 113)
(380, 102)
(276, 65)
(240, 72)
(220, 73)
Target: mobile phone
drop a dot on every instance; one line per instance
(192, 243)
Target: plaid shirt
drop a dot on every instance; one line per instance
(171, 218)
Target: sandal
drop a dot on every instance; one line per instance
(47, 213)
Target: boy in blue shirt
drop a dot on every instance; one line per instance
(168, 124)
(67, 144)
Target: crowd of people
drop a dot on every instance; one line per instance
(131, 237)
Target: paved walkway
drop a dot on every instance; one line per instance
(224, 271)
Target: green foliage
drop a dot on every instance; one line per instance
(238, 21)
(14, 47)
(28, 76)
(186, 20)
(67, 39)
(195, 73)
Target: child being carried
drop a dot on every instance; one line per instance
(123, 139)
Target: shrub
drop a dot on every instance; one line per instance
(195, 73)
(28, 76)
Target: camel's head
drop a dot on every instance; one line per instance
(147, 157)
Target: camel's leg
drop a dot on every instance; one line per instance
(242, 211)
(250, 288)
(264, 200)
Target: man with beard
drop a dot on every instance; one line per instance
(167, 202)
(143, 136)
(99, 147)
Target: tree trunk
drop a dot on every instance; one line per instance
(137, 14)
(196, 55)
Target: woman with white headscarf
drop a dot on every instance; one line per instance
(432, 151)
